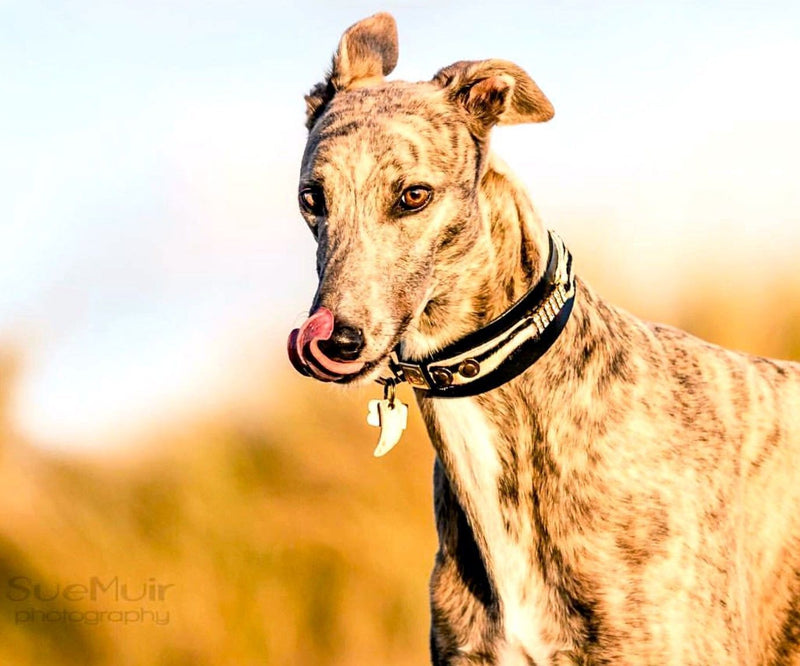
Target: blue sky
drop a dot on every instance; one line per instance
(149, 239)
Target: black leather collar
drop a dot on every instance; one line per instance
(506, 346)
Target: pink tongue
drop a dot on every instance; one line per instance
(304, 342)
(318, 326)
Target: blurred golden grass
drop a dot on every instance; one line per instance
(285, 541)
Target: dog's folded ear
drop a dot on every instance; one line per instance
(367, 52)
(494, 92)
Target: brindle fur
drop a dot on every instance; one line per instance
(631, 498)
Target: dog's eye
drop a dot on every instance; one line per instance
(312, 200)
(414, 198)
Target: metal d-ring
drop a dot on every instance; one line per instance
(389, 392)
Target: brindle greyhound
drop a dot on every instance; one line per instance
(607, 491)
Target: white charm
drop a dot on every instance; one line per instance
(391, 416)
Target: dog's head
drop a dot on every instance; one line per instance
(390, 188)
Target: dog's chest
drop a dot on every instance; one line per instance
(470, 454)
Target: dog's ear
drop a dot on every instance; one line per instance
(494, 92)
(367, 52)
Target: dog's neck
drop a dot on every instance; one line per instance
(515, 247)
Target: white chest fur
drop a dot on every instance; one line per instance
(471, 443)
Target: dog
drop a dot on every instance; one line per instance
(607, 491)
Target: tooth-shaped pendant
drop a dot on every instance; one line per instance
(391, 416)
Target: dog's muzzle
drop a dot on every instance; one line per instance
(308, 357)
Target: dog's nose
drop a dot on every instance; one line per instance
(345, 344)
